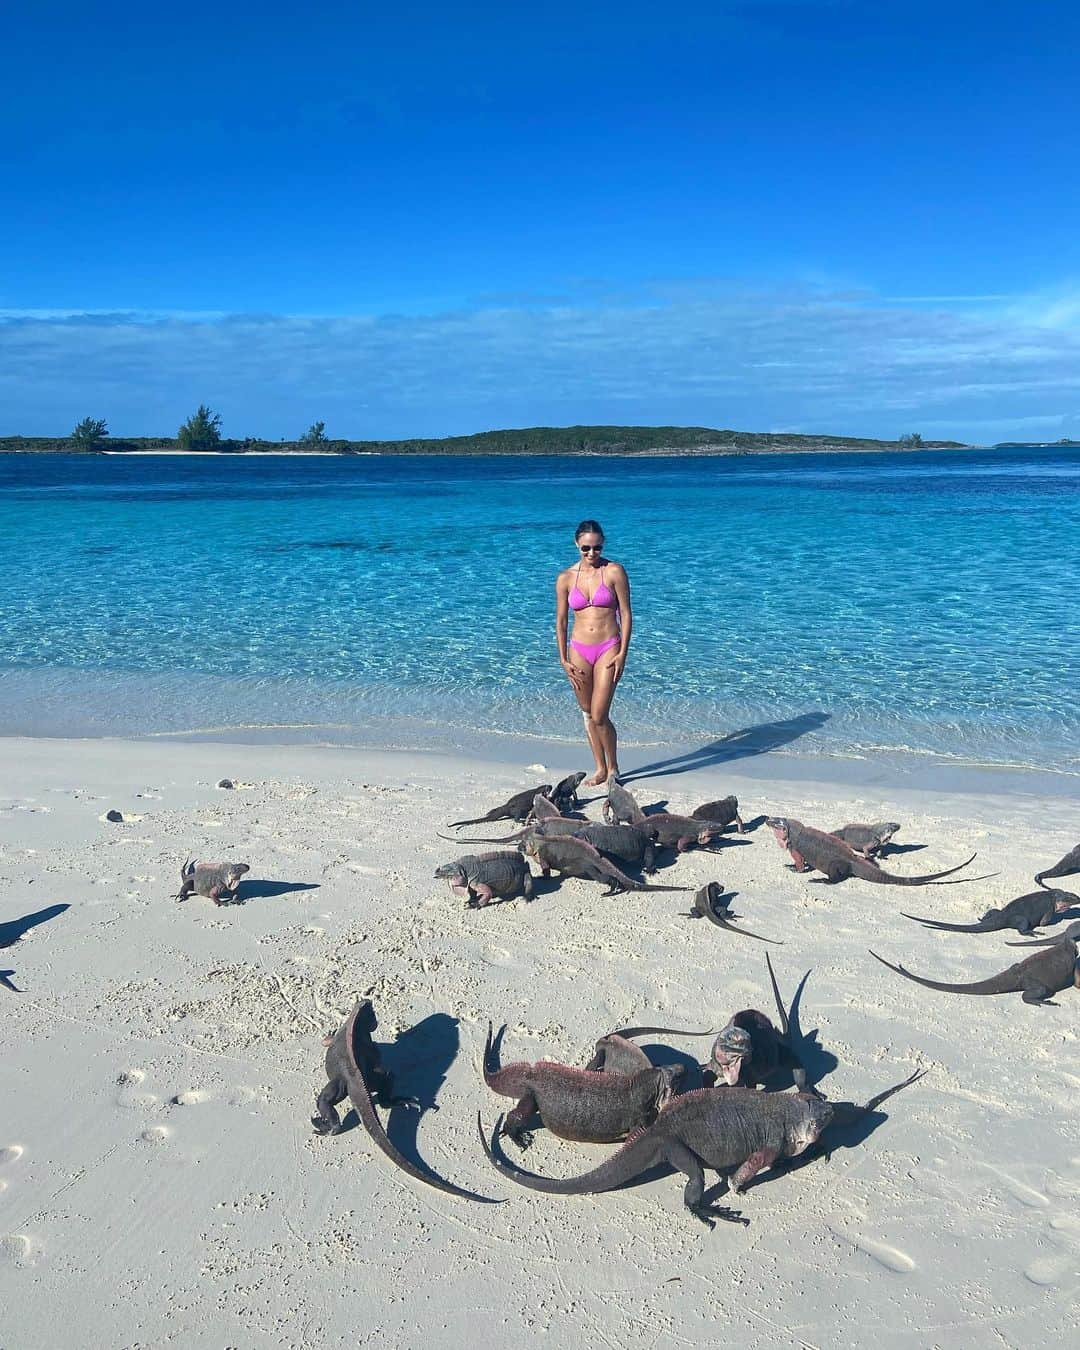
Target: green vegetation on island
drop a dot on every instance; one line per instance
(202, 432)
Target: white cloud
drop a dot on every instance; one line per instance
(703, 354)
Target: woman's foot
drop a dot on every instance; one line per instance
(600, 776)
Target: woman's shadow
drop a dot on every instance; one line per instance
(758, 740)
(13, 929)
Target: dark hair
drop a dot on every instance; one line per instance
(588, 527)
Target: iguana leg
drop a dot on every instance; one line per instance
(1039, 995)
(757, 1162)
(739, 823)
(326, 1119)
(380, 1083)
(215, 895)
(484, 893)
(799, 861)
(684, 1160)
(514, 1124)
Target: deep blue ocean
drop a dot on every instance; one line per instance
(923, 601)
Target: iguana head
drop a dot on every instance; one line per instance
(781, 827)
(1064, 900)
(729, 1050)
(668, 1081)
(235, 872)
(883, 830)
(816, 1115)
(543, 808)
(453, 872)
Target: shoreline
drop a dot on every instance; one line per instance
(188, 1037)
(673, 452)
(873, 768)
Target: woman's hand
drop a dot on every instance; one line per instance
(573, 674)
(617, 667)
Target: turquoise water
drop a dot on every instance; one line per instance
(920, 601)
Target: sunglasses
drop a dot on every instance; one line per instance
(591, 548)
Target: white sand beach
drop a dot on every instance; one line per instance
(160, 1182)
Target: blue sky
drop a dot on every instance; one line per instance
(431, 219)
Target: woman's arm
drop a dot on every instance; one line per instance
(620, 584)
(562, 614)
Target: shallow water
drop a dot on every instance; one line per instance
(918, 601)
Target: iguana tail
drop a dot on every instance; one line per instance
(779, 1001)
(505, 839)
(365, 1109)
(950, 927)
(845, 1113)
(994, 985)
(637, 1155)
(889, 879)
(629, 1033)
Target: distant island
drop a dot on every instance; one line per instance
(527, 441)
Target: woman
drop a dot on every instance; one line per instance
(598, 591)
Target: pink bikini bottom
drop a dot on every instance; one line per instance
(592, 651)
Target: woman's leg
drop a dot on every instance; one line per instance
(603, 691)
(584, 695)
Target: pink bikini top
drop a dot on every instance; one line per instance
(602, 598)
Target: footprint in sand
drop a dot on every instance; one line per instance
(157, 1134)
(1064, 1232)
(129, 1095)
(1024, 1194)
(1048, 1270)
(240, 1096)
(1063, 1188)
(11, 1154)
(891, 1258)
(192, 1097)
(17, 1249)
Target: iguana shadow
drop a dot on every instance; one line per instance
(758, 740)
(418, 1060)
(542, 885)
(265, 890)
(838, 1135)
(13, 929)
(817, 1061)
